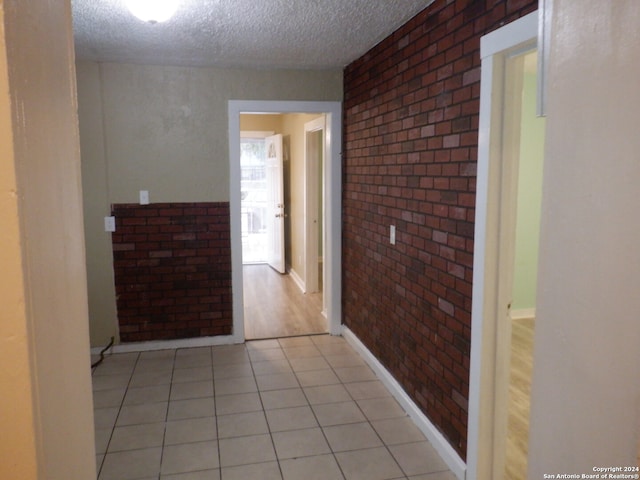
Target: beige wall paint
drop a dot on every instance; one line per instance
(261, 123)
(293, 126)
(95, 187)
(46, 401)
(163, 129)
(585, 402)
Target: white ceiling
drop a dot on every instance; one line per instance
(304, 34)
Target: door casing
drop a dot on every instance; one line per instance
(494, 220)
(312, 201)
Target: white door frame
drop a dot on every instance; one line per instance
(333, 203)
(311, 203)
(485, 369)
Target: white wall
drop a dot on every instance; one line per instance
(585, 398)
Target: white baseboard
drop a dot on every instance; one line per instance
(442, 446)
(523, 314)
(298, 281)
(169, 344)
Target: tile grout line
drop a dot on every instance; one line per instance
(264, 412)
(324, 435)
(115, 421)
(368, 421)
(359, 409)
(215, 411)
(166, 415)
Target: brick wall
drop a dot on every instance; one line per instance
(172, 265)
(411, 134)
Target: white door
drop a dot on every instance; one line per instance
(275, 203)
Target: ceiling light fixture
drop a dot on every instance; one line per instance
(153, 11)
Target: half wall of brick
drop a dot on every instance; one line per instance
(172, 268)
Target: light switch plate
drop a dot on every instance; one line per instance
(144, 197)
(392, 234)
(109, 224)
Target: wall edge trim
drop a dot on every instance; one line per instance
(297, 280)
(523, 314)
(169, 344)
(439, 442)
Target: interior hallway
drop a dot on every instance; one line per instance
(275, 307)
(294, 408)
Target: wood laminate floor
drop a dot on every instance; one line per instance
(519, 399)
(274, 306)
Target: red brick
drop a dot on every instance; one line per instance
(411, 135)
(168, 276)
(171, 212)
(130, 221)
(158, 220)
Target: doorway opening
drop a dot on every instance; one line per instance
(282, 215)
(506, 219)
(302, 233)
(528, 140)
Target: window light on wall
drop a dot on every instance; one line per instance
(153, 11)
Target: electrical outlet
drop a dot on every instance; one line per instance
(392, 234)
(144, 197)
(109, 224)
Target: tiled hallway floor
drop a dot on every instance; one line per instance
(295, 408)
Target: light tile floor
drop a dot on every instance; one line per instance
(294, 408)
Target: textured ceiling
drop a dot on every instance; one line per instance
(305, 34)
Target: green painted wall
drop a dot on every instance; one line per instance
(529, 196)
